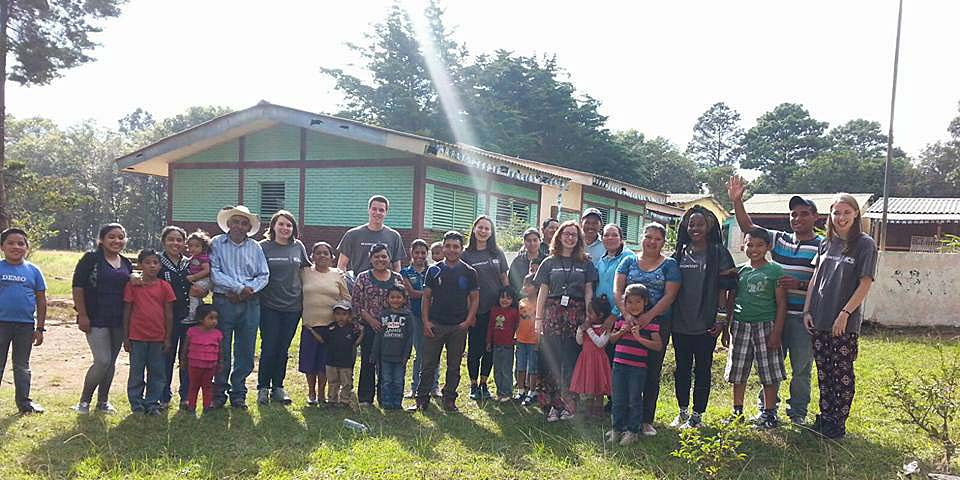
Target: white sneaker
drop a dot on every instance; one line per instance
(612, 436)
(566, 415)
(628, 438)
(82, 408)
(695, 421)
(648, 430)
(553, 415)
(680, 419)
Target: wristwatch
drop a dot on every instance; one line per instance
(40, 329)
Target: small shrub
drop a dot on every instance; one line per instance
(929, 399)
(713, 455)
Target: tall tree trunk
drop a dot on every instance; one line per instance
(4, 17)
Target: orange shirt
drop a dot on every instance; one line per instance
(526, 332)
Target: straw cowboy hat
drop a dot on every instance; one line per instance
(227, 212)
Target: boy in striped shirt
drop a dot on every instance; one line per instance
(633, 341)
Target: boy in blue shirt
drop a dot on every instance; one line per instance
(23, 311)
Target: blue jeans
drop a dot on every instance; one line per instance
(147, 356)
(276, 332)
(178, 343)
(238, 323)
(503, 369)
(628, 383)
(418, 359)
(798, 346)
(391, 383)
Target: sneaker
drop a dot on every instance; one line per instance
(768, 421)
(474, 392)
(648, 430)
(105, 407)
(504, 398)
(30, 407)
(519, 396)
(280, 395)
(529, 399)
(436, 393)
(553, 415)
(566, 415)
(612, 436)
(312, 401)
(153, 411)
(365, 404)
(450, 405)
(82, 408)
(421, 406)
(409, 394)
(238, 404)
(218, 403)
(485, 392)
(164, 405)
(627, 438)
(695, 421)
(263, 396)
(681, 419)
(797, 420)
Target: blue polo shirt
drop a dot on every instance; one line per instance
(607, 273)
(417, 280)
(19, 285)
(797, 258)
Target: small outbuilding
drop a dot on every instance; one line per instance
(916, 224)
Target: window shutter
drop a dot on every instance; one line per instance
(272, 198)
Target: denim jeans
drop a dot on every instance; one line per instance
(798, 346)
(178, 343)
(147, 356)
(276, 332)
(21, 336)
(627, 409)
(418, 359)
(391, 383)
(503, 369)
(238, 323)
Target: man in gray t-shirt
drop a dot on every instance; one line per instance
(355, 245)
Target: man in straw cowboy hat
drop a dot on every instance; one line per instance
(238, 270)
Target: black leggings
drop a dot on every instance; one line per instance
(651, 388)
(693, 353)
(479, 360)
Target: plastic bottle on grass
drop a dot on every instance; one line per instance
(355, 426)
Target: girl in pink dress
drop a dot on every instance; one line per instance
(591, 375)
(202, 356)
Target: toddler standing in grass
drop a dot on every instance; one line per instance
(591, 374)
(201, 356)
(342, 338)
(23, 312)
(147, 323)
(500, 341)
(758, 318)
(391, 348)
(527, 349)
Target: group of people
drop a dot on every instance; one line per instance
(574, 319)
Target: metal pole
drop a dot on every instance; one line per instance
(886, 164)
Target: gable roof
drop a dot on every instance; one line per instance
(778, 203)
(917, 210)
(686, 197)
(153, 159)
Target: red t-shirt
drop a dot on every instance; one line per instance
(147, 321)
(502, 326)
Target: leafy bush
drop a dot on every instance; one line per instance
(713, 455)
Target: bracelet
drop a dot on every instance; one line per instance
(844, 310)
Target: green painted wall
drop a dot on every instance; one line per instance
(338, 196)
(598, 200)
(454, 178)
(225, 152)
(198, 194)
(252, 179)
(328, 147)
(630, 207)
(281, 143)
(515, 191)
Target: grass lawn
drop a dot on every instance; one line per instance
(484, 441)
(57, 267)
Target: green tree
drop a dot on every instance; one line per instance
(846, 171)
(717, 136)
(863, 137)
(938, 171)
(42, 38)
(783, 140)
(715, 179)
(657, 164)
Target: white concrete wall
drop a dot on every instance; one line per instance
(915, 289)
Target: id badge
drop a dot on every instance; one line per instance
(564, 301)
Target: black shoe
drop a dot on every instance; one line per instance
(817, 425)
(474, 392)
(832, 430)
(485, 392)
(450, 405)
(31, 407)
(421, 406)
(218, 403)
(239, 404)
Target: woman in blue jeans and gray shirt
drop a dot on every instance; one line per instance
(281, 305)
(98, 283)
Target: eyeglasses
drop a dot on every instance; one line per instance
(570, 234)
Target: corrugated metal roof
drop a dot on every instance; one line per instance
(686, 197)
(916, 205)
(779, 203)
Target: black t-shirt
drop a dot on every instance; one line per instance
(490, 266)
(341, 351)
(565, 276)
(449, 288)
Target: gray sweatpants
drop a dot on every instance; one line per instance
(105, 344)
(20, 335)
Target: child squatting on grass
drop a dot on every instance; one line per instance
(755, 332)
(633, 344)
(147, 323)
(201, 357)
(23, 312)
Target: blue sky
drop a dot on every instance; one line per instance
(655, 66)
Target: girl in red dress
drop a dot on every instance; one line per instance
(591, 375)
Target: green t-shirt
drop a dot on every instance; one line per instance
(757, 293)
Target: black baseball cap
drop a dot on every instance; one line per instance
(798, 201)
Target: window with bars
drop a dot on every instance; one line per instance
(508, 209)
(630, 224)
(272, 198)
(451, 209)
